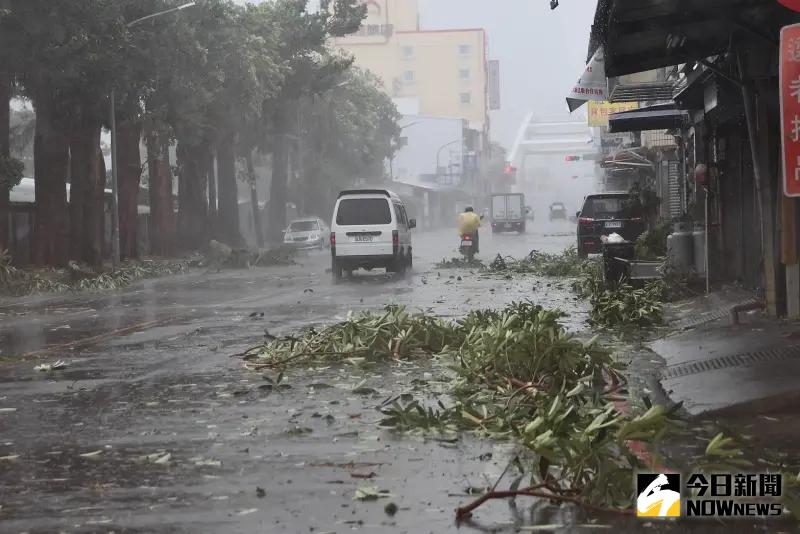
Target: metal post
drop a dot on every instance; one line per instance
(114, 187)
(763, 194)
(708, 284)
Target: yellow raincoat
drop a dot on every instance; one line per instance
(468, 222)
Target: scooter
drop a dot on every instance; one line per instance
(468, 246)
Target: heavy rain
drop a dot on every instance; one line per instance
(413, 266)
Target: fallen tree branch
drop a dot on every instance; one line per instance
(533, 491)
(248, 352)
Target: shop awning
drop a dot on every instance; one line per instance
(639, 35)
(653, 118)
(640, 92)
(626, 160)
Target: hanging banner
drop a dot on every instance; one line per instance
(592, 86)
(599, 111)
(494, 84)
(789, 83)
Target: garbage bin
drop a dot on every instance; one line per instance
(614, 270)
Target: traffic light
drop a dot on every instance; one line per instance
(509, 170)
(572, 158)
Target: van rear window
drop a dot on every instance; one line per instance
(362, 211)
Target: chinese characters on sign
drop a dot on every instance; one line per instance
(790, 108)
(600, 111)
(592, 85)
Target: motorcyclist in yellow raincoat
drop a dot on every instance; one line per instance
(468, 223)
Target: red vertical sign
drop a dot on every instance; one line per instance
(790, 108)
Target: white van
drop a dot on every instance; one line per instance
(369, 229)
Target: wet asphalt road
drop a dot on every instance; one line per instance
(153, 427)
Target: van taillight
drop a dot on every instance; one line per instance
(586, 221)
(395, 241)
(333, 239)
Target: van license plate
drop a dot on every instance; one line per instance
(507, 225)
(363, 239)
(614, 224)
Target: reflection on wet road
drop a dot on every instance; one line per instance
(153, 427)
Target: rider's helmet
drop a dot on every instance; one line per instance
(468, 208)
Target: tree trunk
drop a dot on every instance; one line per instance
(228, 193)
(162, 215)
(51, 162)
(129, 160)
(86, 200)
(5, 116)
(280, 176)
(251, 171)
(192, 204)
(212, 193)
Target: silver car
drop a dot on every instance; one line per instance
(309, 232)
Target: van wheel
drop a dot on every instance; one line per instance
(400, 265)
(338, 272)
(410, 263)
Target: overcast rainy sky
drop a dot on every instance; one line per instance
(542, 52)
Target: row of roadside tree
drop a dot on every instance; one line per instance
(219, 81)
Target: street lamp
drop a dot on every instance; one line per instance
(114, 181)
(439, 152)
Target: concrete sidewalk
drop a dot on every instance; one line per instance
(714, 366)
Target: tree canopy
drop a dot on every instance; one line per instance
(218, 79)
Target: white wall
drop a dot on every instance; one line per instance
(424, 137)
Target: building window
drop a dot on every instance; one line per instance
(408, 76)
(373, 29)
(403, 141)
(408, 51)
(463, 74)
(466, 98)
(464, 49)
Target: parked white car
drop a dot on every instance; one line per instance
(310, 232)
(370, 229)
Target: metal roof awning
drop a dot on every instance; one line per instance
(653, 118)
(639, 35)
(626, 160)
(641, 92)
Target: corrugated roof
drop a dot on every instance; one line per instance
(642, 92)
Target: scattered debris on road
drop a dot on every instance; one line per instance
(220, 256)
(566, 264)
(47, 367)
(76, 277)
(518, 375)
(459, 263)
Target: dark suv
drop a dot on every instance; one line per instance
(604, 214)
